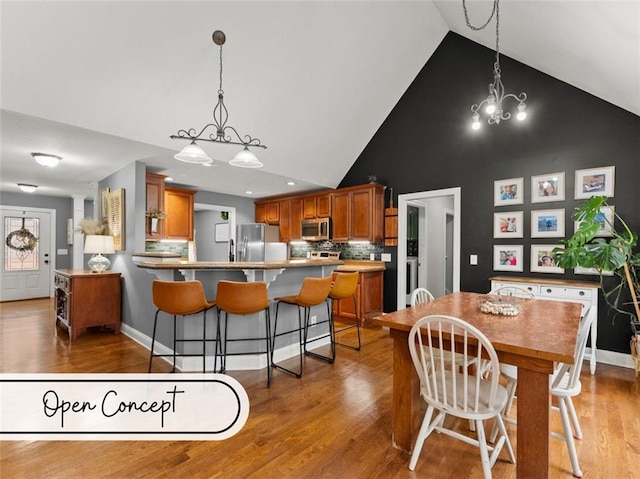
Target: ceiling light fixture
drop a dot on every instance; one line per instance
(194, 154)
(494, 102)
(27, 188)
(45, 159)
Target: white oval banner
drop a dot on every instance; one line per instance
(181, 406)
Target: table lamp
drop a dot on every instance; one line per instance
(98, 245)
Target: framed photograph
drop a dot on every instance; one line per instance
(595, 182)
(605, 218)
(508, 224)
(548, 187)
(507, 257)
(547, 223)
(508, 192)
(542, 259)
(593, 271)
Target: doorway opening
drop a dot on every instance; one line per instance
(433, 257)
(215, 231)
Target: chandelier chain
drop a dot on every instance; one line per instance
(220, 90)
(466, 16)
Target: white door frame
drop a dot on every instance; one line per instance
(403, 202)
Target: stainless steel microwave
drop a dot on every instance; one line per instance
(318, 229)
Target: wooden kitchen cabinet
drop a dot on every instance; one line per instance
(178, 203)
(358, 213)
(154, 201)
(84, 299)
(317, 206)
(369, 299)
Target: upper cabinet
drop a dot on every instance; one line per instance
(178, 204)
(155, 202)
(317, 206)
(356, 213)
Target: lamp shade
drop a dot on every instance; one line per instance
(246, 159)
(192, 153)
(99, 244)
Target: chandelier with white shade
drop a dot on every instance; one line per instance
(218, 132)
(494, 103)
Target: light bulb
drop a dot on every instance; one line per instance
(521, 113)
(476, 122)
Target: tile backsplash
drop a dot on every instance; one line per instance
(350, 251)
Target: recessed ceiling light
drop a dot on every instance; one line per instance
(169, 178)
(248, 192)
(27, 188)
(45, 159)
(291, 183)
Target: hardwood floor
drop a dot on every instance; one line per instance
(335, 422)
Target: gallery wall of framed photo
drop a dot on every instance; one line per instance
(546, 226)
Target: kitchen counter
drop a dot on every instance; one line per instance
(238, 265)
(361, 266)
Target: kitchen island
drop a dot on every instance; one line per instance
(283, 278)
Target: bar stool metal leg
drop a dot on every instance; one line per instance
(331, 334)
(300, 342)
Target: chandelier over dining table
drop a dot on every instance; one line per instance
(494, 103)
(218, 131)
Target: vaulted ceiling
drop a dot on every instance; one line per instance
(106, 83)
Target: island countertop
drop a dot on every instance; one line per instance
(361, 266)
(238, 265)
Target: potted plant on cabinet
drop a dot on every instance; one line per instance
(614, 255)
(154, 216)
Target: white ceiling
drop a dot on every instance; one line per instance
(105, 83)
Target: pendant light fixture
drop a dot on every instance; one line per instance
(222, 133)
(494, 102)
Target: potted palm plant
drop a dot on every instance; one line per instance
(616, 255)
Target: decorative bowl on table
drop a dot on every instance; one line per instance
(500, 305)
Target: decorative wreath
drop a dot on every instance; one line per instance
(21, 240)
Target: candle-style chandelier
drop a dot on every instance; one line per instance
(494, 102)
(192, 153)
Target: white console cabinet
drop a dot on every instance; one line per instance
(584, 292)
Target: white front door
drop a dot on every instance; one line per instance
(26, 260)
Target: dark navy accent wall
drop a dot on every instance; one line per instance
(427, 143)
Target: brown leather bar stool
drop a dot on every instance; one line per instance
(182, 298)
(241, 299)
(345, 286)
(314, 291)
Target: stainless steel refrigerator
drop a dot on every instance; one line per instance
(259, 242)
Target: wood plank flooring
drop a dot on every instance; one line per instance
(335, 422)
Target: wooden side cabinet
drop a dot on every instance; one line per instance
(155, 201)
(583, 292)
(369, 299)
(84, 299)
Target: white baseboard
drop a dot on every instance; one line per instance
(234, 363)
(613, 358)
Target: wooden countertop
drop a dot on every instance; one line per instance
(361, 266)
(239, 265)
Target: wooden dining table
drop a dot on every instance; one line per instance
(543, 332)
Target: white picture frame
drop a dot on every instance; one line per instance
(508, 224)
(542, 260)
(508, 258)
(591, 271)
(547, 223)
(547, 188)
(595, 182)
(222, 232)
(606, 221)
(508, 192)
